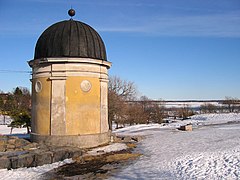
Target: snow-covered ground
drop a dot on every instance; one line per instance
(196, 104)
(34, 173)
(5, 119)
(208, 152)
(4, 129)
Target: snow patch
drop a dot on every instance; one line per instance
(30, 173)
(109, 148)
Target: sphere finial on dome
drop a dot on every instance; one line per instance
(71, 12)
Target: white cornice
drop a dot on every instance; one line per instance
(37, 62)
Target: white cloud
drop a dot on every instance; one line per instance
(217, 25)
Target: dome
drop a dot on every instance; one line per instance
(70, 38)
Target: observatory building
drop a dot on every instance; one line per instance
(70, 86)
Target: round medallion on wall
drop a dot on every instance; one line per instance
(38, 86)
(86, 86)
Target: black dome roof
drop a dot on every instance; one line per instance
(70, 39)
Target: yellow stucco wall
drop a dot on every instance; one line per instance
(82, 108)
(41, 107)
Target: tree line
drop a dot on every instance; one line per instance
(230, 105)
(125, 107)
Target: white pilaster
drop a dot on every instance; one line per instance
(58, 106)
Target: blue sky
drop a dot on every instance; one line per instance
(171, 49)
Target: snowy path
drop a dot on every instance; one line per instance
(205, 153)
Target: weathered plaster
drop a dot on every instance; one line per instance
(63, 112)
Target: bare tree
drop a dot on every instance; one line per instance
(119, 91)
(136, 114)
(2, 107)
(116, 109)
(155, 112)
(208, 108)
(1, 104)
(123, 107)
(185, 111)
(146, 102)
(231, 103)
(125, 89)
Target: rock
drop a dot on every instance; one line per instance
(19, 149)
(14, 162)
(127, 139)
(25, 160)
(10, 150)
(15, 153)
(186, 128)
(61, 154)
(5, 163)
(10, 147)
(131, 145)
(21, 142)
(122, 139)
(42, 158)
(137, 138)
(2, 137)
(2, 142)
(11, 141)
(30, 146)
(12, 137)
(2, 148)
(76, 153)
